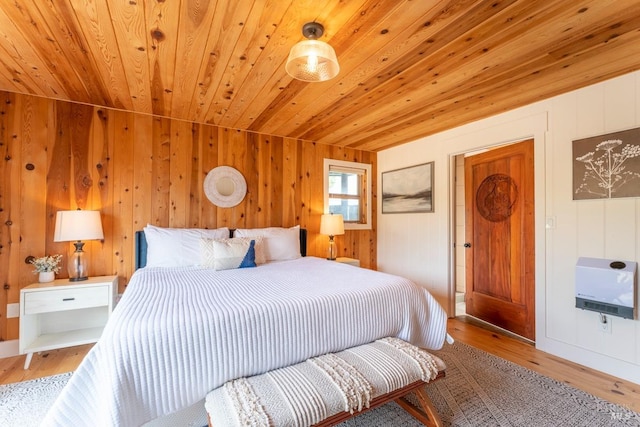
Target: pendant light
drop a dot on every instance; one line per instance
(312, 60)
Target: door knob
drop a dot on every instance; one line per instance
(467, 245)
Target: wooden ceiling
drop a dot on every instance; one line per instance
(409, 68)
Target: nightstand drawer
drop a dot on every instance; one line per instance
(65, 299)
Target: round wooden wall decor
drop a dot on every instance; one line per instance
(496, 197)
(225, 187)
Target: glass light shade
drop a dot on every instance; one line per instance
(76, 226)
(312, 61)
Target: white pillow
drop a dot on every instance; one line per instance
(226, 254)
(177, 247)
(280, 244)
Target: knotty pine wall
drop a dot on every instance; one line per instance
(138, 169)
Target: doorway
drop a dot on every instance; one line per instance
(494, 237)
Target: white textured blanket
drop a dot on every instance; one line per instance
(179, 333)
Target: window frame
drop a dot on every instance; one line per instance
(366, 191)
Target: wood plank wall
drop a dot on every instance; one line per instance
(138, 169)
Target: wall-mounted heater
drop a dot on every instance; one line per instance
(607, 286)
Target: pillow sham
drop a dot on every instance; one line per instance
(226, 254)
(279, 243)
(177, 247)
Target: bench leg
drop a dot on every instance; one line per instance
(428, 416)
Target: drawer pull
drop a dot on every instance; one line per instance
(68, 299)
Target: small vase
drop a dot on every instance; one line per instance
(46, 276)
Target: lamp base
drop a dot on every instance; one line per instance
(77, 265)
(332, 249)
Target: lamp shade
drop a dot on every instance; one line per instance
(312, 61)
(77, 225)
(331, 225)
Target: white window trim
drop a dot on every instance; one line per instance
(369, 198)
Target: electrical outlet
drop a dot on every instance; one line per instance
(13, 310)
(604, 324)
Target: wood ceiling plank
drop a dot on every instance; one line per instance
(24, 61)
(163, 20)
(527, 71)
(536, 37)
(224, 31)
(449, 52)
(434, 30)
(70, 48)
(281, 110)
(569, 74)
(270, 59)
(454, 74)
(390, 82)
(598, 24)
(129, 24)
(256, 33)
(408, 67)
(268, 79)
(611, 59)
(11, 79)
(199, 20)
(45, 43)
(480, 106)
(100, 39)
(381, 28)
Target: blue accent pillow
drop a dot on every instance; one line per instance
(249, 259)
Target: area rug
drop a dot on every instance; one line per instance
(26, 403)
(479, 390)
(484, 390)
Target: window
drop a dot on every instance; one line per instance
(347, 189)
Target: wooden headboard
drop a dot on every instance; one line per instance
(141, 246)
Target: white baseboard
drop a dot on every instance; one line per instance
(609, 365)
(9, 348)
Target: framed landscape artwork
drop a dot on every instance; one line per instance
(607, 166)
(408, 189)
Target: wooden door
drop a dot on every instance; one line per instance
(499, 203)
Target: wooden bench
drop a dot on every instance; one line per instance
(332, 388)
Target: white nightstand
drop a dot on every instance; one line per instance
(350, 261)
(63, 313)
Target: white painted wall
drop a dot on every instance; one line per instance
(419, 246)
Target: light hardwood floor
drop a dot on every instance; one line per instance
(462, 329)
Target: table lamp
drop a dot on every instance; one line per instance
(331, 225)
(74, 226)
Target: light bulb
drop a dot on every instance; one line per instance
(312, 62)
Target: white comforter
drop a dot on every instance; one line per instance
(178, 333)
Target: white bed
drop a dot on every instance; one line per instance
(180, 332)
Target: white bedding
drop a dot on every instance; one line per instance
(181, 332)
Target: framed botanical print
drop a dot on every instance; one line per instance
(607, 166)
